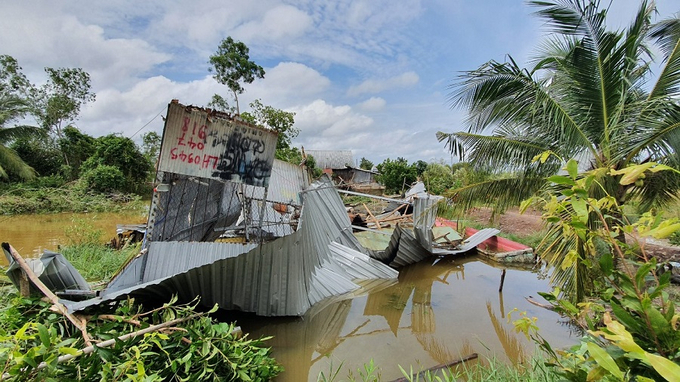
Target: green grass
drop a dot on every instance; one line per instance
(487, 370)
(19, 199)
(96, 262)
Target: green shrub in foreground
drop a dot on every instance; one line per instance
(32, 338)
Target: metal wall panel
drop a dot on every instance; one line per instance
(332, 158)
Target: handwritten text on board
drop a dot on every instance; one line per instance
(196, 144)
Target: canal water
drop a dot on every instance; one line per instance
(30, 235)
(435, 313)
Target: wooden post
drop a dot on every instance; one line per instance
(24, 285)
(500, 288)
(377, 223)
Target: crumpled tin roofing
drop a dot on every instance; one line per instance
(282, 277)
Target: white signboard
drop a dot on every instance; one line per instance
(197, 143)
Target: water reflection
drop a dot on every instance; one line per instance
(436, 313)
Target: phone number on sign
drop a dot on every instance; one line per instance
(201, 160)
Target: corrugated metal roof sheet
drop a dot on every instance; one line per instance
(424, 214)
(470, 243)
(283, 277)
(409, 249)
(332, 158)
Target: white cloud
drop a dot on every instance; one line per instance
(372, 104)
(320, 119)
(127, 111)
(286, 85)
(279, 23)
(376, 86)
(39, 37)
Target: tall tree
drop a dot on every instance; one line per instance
(58, 102)
(590, 95)
(12, 80)
(232, 67)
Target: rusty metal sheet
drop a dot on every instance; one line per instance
(199, 142)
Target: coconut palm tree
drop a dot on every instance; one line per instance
(591, 94)
(12, 108)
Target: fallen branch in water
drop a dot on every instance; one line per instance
(549, 307)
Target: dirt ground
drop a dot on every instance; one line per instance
(530, 222)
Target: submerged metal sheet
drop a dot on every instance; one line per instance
(409, 249)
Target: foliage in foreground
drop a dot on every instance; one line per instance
(33, 339)
(631, 324)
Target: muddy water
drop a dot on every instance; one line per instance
(31, 234)
(434, 314)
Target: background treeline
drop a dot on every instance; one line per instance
(41, 146)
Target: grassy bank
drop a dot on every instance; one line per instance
(29, 198)
(491, 370)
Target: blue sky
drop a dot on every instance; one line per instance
(369, 76)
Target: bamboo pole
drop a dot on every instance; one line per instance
(56, 305)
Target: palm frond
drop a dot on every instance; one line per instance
(667, 35)
(658, 135)
(11, 108)
(11, 163)
(514, 151)
(570, 17)
(497, 193)
(9, 134)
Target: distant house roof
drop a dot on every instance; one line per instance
(332, 158)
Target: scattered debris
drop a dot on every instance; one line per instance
(247, 232)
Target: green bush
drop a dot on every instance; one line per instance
(631, 324)
(104, 178)
(33, 339)
(396, 175)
